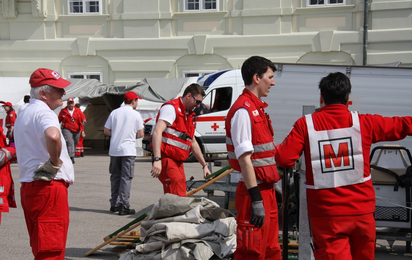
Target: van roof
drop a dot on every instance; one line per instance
(208, 79)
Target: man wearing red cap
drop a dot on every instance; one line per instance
(10, 119)
(41, 148)
(124, 125)
(71, 119)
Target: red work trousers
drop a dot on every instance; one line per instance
(46, 210)
(344, 237)
(173, 177)
(257, 243)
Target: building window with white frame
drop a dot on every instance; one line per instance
(325, 2)
(201, 5)
(85, 75)
(196, 73)
(85, 6)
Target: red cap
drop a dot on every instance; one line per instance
(131, 96)
(7, 104)
(70, 100)
(43, 76)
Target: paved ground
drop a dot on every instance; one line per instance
(91, 221)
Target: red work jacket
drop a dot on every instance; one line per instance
(72, 123)
(10, 119)
(6, 179)
(356, 199)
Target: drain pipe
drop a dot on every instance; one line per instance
(365, 33)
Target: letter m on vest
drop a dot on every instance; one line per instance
(336, 154)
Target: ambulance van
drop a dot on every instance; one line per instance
(375, 90)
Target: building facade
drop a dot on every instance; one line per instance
(122, 41)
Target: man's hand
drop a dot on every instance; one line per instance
(156, 169)
(206, 171)
(49, 167)
(258, 214)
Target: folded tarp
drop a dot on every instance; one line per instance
(185, 228)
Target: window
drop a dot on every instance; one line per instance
(217, 100)
(85, 75)
(325, 2)
(200, 5)
(196, 73)
(84, 6)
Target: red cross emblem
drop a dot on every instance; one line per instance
(215, 127)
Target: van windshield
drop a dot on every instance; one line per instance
(218, 99)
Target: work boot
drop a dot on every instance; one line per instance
(116, 208)
(126, 211)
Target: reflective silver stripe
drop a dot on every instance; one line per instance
(1, 201)
(231, 155)
(256, 148)
(1, 188)
(3, 155)
(229, 141)
(264, 147)
(173, 132)
(176, 143)
(263, 162)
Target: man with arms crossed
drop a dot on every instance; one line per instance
(173, 139)
(41, 147)
(124, 125)
(251, 152)
(340, 194)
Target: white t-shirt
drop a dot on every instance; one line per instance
(242, 133)
(124, 123)
(22, 107)
(30, 143)
(168, 114)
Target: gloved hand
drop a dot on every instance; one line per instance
(281, 171)
(258, 214)
(258, 211)
(49, 167)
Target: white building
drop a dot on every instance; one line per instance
(122, 41)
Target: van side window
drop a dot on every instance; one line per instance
(217, 100)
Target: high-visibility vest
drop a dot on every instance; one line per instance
(263, 156)
(176, 139)
(336, 155)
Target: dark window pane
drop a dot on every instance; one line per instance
(76, 7)
(76, 76)
(94, 77)
(317, 2)
(210, 4)
(192, 4)
(92, 7)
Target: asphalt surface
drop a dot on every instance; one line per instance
(91, 220)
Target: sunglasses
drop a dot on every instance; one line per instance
(198, 102)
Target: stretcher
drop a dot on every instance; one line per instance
(119, 237)
(391, 173)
